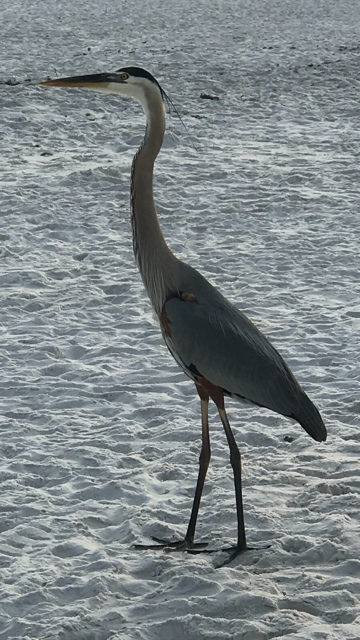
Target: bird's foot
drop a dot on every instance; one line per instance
(196, 548)
(233, 552)
(179, 545)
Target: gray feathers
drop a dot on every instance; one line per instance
(214, 338)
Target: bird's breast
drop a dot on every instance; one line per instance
(165, 321)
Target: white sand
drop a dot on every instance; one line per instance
(100, 430)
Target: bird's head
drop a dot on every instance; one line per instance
(131, 82)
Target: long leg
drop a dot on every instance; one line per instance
(204, 460)
(235, 460)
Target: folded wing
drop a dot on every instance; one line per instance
(210, 338)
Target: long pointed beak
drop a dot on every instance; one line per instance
(95, 82)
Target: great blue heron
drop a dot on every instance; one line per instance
(215, 344)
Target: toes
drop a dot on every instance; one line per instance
(179, 545)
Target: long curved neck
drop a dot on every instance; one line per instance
(157, 264)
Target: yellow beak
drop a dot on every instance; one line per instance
(95, 82)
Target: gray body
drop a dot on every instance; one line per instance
(216, 340)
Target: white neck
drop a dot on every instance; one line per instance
(157, 264)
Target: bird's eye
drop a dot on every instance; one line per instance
(124, 76)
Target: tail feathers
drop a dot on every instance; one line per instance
(310, 419)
